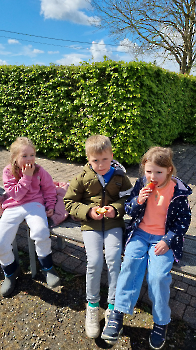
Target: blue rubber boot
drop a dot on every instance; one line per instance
(114, 327)
(11, 273)
(49, 272)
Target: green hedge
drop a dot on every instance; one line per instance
(136, 104)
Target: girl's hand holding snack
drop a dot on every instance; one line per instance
(145, 192)
(28, 169)
(151, 185)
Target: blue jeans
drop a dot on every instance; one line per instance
(94, 241)
(139, 255)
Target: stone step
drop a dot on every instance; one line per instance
(71, 230)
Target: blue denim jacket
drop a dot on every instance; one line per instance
(177, 220)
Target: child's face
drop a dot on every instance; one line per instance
(25, 156)
(156, 174)
(101, 162)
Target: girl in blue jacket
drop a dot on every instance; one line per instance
(160, 216)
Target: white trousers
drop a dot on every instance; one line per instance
(35, 216)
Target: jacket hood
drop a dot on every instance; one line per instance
(182, 189)
(117, 166)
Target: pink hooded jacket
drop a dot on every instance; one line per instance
(37, 188)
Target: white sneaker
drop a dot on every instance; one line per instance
(107, 315)
(92, 326)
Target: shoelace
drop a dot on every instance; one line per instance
(93, 316)
(112, 324)
(160, 330)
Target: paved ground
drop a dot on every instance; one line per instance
(72, 258)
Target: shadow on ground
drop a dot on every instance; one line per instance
(36, 317)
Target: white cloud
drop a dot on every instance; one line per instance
(172, 35)
(3, 52)
(126, 46)
(3, 63)
(133, 52)
(67, 10)
(53, 52)
(28, 51)
(36, 51)
(161, 59)
(13, 41)
(71, 59)
(99, 50)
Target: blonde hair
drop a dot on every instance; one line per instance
(161, 157)
(14, 151)
(97, 144)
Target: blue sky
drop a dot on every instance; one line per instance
(28, 26)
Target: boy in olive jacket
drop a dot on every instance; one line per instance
(96, 197)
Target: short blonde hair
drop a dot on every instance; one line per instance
(97, 144)
(160, 156)
(15, 149)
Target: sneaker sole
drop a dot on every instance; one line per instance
(152, 347)
(111, 340)
(92, 336)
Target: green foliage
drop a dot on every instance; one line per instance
(136, 104)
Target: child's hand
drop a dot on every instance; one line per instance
(49, 212)
(110, 213)
(161, 248)
(28, 169)
(143, 195)
(94, 215)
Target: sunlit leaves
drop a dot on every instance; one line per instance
(136, 104)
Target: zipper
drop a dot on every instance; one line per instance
(103, 203)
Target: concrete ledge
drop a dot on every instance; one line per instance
(72, 259)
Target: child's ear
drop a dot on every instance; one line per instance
(169, 170)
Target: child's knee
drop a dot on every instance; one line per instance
(4, 247)
(95, 263)
(40, 233)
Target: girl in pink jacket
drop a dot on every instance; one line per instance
(31, 196)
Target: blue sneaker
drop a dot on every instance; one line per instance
(114, 327)
(158, 337)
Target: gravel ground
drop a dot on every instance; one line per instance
(36, 317)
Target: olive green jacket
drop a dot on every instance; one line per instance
(86, 191)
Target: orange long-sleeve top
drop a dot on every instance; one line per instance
(158, 202)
